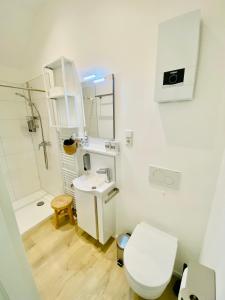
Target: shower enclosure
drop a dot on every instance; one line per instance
(31, 122)
(28, 151)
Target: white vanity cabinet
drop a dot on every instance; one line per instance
(106, 216)
(86, 206)
(95, 207)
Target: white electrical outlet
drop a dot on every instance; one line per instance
(164, 177)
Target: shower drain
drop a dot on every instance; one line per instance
(40, 203)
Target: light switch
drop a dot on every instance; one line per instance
(164, 177)
(129, 136)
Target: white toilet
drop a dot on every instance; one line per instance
(149, 258)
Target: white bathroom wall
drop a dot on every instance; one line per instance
(51, 179)
(15, 30)
(120, 37)
(17, 159)
(99, 161)
(213, 251)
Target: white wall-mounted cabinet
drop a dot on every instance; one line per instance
(64, 92)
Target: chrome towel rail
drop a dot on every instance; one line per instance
(111, 194)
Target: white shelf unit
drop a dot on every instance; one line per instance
(64, 92)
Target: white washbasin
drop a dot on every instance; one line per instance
(92, 183)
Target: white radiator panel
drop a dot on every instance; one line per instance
(69, 167)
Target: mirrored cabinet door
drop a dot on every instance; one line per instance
(98, 96)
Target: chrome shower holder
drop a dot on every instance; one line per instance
(32, 123)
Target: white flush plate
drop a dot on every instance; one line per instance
(164, 177)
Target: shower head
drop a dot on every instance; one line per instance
(31, 104)
(23, 96)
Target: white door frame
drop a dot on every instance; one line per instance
(16, 281)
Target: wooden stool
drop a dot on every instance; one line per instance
(62, 206)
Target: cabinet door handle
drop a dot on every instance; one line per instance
(96, 217)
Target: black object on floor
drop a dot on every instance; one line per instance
(40, 203)
(120, 263)
(176, 286)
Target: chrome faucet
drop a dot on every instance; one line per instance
(106, 171)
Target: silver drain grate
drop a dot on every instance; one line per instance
(40, 203)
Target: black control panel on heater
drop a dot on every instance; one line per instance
(173, 77)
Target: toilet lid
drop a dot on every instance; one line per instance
(149, 255)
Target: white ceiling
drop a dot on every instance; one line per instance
(16, 20)
(31, 4)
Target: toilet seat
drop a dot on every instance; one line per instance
(149, 258)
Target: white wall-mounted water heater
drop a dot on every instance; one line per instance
(177, 57)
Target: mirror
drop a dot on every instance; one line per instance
(98, 97)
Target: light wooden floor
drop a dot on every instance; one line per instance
(68, 264)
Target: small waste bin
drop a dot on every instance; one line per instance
(121, 244)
